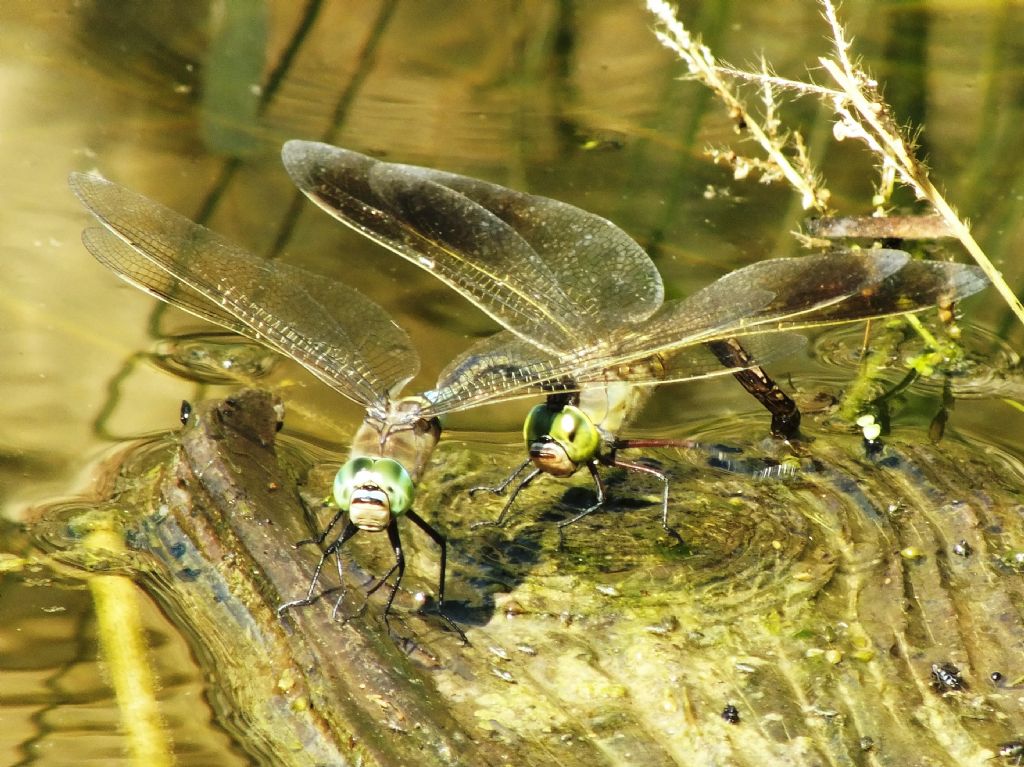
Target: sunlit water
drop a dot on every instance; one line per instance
(189, 103)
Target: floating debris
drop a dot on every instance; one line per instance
(963, 549)
(946, 676)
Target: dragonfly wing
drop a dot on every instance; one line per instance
(498, 368)
(768, 334)
(605, 273)
(550, 272)
(880, 284)
(139, 271)
(342, 337)
(798, 285)
(503, 354)
(752, 304)
(527, 370)
(504, 367)
(917, 286)
(691, 363)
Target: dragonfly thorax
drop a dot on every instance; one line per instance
(613, 404)
(372, 491)
(400, 433)
(560, 438)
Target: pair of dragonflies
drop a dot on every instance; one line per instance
(582, 305)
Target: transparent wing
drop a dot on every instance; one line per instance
(520, 369)
(140, 272)
(345, 339)
(815, 291)
(504, 366)
(551, 273)
(755, 305)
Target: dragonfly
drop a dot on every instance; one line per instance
(343, 338)
(582, 305)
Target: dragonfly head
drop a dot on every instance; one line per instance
(373, 491)
(560, 438)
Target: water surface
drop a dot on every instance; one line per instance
(188, 102)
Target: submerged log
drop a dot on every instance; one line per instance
(307, 691)
(861, 609)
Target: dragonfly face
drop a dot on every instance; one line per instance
(373, 491)
(560, 437)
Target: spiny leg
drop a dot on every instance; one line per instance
(500, 521)
(601, 497)
(348, 532)
(396, 545)
(503, 485)
(628, 444)
(319, 539)
(631, 466)
(399, 565)
(639, 467)
(442, 543)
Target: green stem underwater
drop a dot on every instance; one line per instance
(123, 645)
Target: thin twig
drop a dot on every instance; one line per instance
(871, 122)
(798, 86)
(861, 114)
(705, 68)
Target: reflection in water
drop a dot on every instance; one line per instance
(56, 697)
(215, 359)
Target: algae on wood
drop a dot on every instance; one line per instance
(817, 605)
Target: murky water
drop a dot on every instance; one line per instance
(189, 102)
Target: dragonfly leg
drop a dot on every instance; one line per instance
(503, 485)
(341, 579)
(601, 497)
(502, 517)
(319, 539)
(396, 546)
(639, 467)
(628, 444)
(333, 549)
(442, 543)
(399, 565)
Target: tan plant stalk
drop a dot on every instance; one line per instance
(861, 114)
(703, 67)
(870, 121)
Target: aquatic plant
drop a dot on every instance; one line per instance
(860, 112)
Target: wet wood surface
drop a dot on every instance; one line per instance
(848, 609)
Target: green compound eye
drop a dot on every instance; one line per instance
(538, 423)
(569, 426)
(384, 474)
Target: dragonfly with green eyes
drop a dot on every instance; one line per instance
(582, 304)
(342, 337)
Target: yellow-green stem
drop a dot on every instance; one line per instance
(123, 646)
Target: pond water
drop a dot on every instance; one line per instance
(189, 102)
